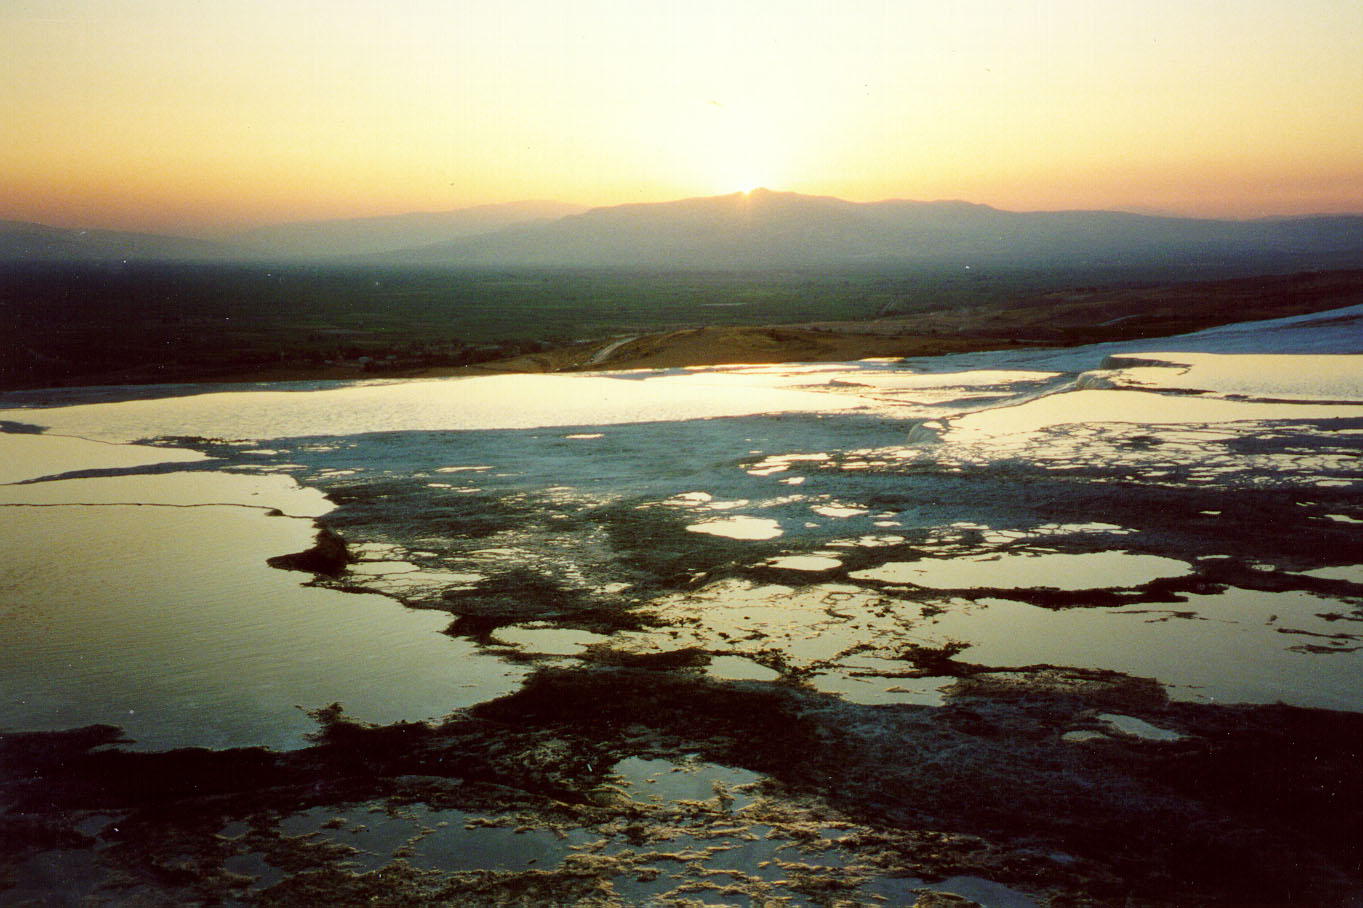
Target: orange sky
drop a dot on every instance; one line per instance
(165, 115)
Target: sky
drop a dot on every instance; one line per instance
(197, 117)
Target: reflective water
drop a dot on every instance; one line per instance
(814, 564)
(448, 840)
(739, 527)
(1129, 725)
(895, 501)
(28, 456)
(666, 780)
(737, 668)
(182, 490)
(1022, 570)
(1281, 377)
(547, 640)
(166, 621)
(493, 402)
(1238, 646)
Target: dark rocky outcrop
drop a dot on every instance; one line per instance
(328, 556)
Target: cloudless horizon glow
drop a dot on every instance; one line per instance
(159, 115)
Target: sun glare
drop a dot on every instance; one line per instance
(744, 169)
(734, 148)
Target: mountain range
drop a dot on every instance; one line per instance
(379, 235)
(759, 229)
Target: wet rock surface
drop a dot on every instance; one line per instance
(952, 671)
(329, 556)
(617, 786)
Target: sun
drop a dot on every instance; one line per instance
(742, 161)
(729, 180)
(731, 147)
(742, 166)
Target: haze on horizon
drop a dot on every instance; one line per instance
(159, 115)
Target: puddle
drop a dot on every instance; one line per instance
(165, 619)
(664, 780)
(869, 690)
(180, 489)
(1280, 376)
(737, 668)
(810, 563)
(451, 841)
(868, 542)
(749, 857)
(782, 462)
(1083, 737)
(1016, 426)
(1349, 573)
(403, 579)
(753, 528)
(838, 511)
(983, 892)
(520, 401)
(1138, 728)
(253, 864)
(25, 456)
(1240, 646)
(215, 648)
(1030, 570)
(457, 848)
(58, 877)
(690, 499)
(978, 891)
(706, 501)
(378, 551)
(734, 617)
(546, 640)
(382, 568)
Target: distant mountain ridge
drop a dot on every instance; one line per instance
(27, 242)
(773, 229)
(760, 229)
(388, 233)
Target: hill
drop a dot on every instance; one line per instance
(765, 229)
(331, 239)
(760, 230)
(21, 241)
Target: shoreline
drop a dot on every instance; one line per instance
(680, 714)
(1061, 318)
